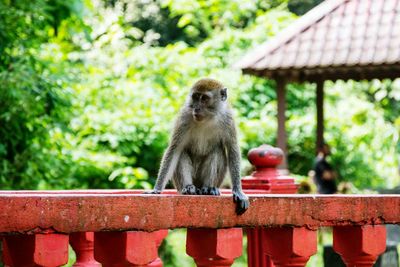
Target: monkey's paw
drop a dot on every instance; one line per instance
(189, 190)
(213, 191)
(242, 202)
(154, 191)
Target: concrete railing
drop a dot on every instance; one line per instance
(126, 227)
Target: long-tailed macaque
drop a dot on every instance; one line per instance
(203, 145)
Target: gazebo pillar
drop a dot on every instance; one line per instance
(282, 137)
(320, 113)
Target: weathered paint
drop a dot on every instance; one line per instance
(65, 213)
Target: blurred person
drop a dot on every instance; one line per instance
(324, 175)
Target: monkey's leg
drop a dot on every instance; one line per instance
(213, 171)
(183, 176)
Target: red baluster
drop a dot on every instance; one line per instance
(133, 248)
(46, 250)
(359, 246)
(255, 249)
(214, 247)
(159, 237)
(266, 179)
(5, 259)
(289, 246)
(1, 249)
(82, 243)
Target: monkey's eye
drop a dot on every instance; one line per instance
(196, 96)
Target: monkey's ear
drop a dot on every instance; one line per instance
(224, 94)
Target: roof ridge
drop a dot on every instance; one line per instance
(298, 26)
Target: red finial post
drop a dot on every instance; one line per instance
(266, 179)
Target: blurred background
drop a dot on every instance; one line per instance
(89, 90)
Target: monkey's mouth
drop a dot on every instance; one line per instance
(198, 117)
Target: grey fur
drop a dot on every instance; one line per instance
(203, 144)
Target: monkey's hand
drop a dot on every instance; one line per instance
(242, 202)
(212, 191)
(154, 191)
(189, 190)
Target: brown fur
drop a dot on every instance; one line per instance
(207, 84)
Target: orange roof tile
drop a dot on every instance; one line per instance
(338, 39)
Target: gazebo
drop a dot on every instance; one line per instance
(338, 39)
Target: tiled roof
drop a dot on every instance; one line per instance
(359, 38)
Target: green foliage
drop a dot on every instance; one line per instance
(364, 143)
(202, 18)
(31, 99)
(89, 91)
(173, 249)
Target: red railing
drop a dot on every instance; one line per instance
(125, 228)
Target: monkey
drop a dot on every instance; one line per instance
(203, 146)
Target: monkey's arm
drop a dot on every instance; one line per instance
(166, 169)
(241, 200)
(170, 158)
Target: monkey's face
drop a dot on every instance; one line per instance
(204, 105)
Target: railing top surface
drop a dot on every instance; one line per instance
(105, 210)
